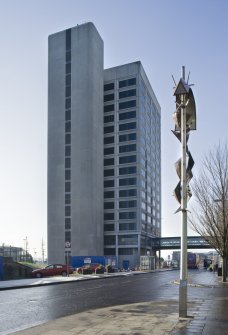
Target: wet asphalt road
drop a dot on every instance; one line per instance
(23, 308)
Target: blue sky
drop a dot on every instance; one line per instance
(164, 35)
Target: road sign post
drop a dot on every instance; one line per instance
(67, 249)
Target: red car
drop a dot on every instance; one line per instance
(52, 270)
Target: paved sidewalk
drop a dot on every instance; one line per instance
(143, 318)
(207, 316)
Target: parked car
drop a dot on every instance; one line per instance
(52, 270)
(90, 268)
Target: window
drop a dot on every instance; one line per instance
(127, 239)
(127, 204)
(108, 87)
(68, 91)
(127, 193)
(68, 139)
(67, 223)
(127, 148)
(68, 103)
(109, 140)
(127, 251)
(127, 115)
(109, 151)
(109, 129)
(127, 226)
(109, 183)
(127, 159)
(109, 194)
(109, 251)
(109, 205)
(109, 240)
(68, 236)
(67, 174)
(108, 108)
(127, 126)
(108, 216)
(67, 211)
(127, 104)
(68, 39)
(68, 68)
(108, 97)
(68, 80)
(67, 186)
(68, 115)
(108, 161)
(127, 94)
(127, 215)
(127, 137)
(68, 56)
(127, 82)
(109, 172)
(127, 170)
(68, 127)
(127, 181)
(67, 199)
(68, 150)
(108, 118)
(109, 227)
(67, 163)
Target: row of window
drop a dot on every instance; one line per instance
(122, 171)
(122, 95)
(123, 226)
(122, 160)
(122, 83)
(122, 193)
(122, 105)
(123, 138)
(122, 182)
(122, 216)
(122, 204)
(122, 127)
(122, 239)
(122, 116)
(121, 251)
(122, 149)
(68, 137)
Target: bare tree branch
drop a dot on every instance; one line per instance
(210, 218)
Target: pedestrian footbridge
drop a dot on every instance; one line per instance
(169, 243)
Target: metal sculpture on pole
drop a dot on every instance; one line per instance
(185, 121)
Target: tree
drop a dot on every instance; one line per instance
(210, 189)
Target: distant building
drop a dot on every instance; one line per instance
(16, 253)
(104, 152)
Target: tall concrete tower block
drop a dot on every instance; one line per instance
(75, 142)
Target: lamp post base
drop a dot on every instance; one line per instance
(183, 299)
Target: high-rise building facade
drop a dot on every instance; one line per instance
(132, 164)
(75, 142)
(104, 152)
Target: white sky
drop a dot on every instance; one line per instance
(163, 34)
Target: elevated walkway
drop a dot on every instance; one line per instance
(169, 243)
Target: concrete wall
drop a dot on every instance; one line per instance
(86, 143)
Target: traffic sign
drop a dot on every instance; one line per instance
(67, 244)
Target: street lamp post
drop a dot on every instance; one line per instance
(185, 120)
(184, 250)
